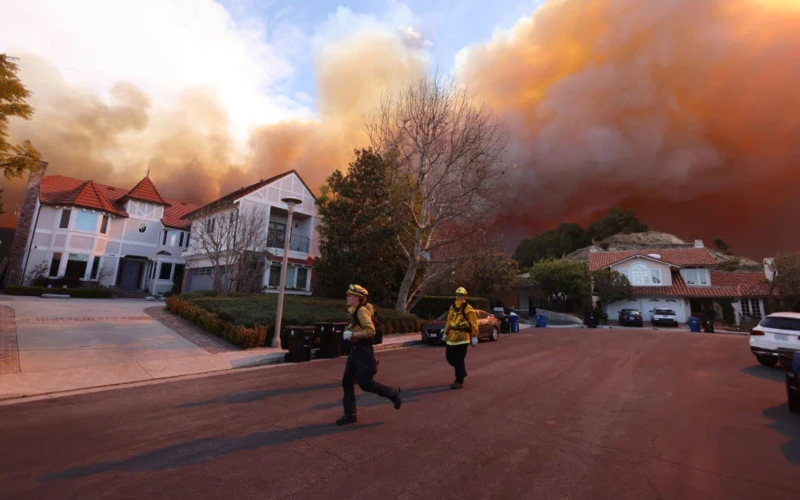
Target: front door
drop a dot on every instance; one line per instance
(131, 272)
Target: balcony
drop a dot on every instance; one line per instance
(296, 244)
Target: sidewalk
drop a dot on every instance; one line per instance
(44, 383)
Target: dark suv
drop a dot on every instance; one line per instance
(630, 317)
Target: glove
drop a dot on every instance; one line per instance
(474, 341)
(347, 335)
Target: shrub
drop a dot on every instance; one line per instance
(76, 293)
(431, 307)
(238, 335)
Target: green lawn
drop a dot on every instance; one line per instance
(259, 309)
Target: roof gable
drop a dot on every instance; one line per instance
(145, 190)
(678, 257)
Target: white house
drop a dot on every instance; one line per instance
(83, 231)
(264, 197)
(683, 279)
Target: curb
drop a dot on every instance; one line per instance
(277, 359)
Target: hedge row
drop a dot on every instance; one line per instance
(76, 293)
(239, 335)
(431, 307)
(259, 310)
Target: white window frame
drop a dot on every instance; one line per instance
(701, 276)
(638, 271)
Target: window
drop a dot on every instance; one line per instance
(166, 271)
(104, 225)
(656, 276)
(640, 275)
(302, 278)
(86, 221)
(142, 227)
(180, 244)
(164, 238)
(187, 239)
(76, 265)
(173, 238)
(696, 276)
(65, 214)
(781, 323)
(751, 308)
(55, 264)
(275, 275)
(95, 268)
(210, 224)
(276, 235)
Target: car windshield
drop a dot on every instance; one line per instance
(634, 311)
(665, 312)
(781, 323)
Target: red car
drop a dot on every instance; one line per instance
(488, 328)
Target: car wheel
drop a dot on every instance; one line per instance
(767, 360)
(495, 335)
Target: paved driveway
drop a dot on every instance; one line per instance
(55, 334)
(544, 415)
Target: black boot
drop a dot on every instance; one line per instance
(457, 385)
(396, 399)
(346, 420)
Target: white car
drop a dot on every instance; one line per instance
(778, 330)
(663, 316)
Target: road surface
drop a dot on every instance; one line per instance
(548, 414)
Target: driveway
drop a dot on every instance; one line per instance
(549, 414)
(54, 334)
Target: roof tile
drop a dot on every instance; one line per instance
(675, 256)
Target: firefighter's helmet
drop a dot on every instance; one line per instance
(358, 291)
(461, 291)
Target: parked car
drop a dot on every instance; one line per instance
(630, 317)
(663, 316)
(778, 330)
(488, 328)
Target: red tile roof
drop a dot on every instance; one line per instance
(61, 190)
(723, 285)
(231, 197)
(308, 261)
(674, 256)
(145, 190)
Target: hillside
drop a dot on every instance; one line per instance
(654, 239)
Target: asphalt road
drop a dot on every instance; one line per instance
(550, 414)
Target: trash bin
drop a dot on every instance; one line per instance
(299, 340)
(694, 325)
(790, 361)
(514, 323)
(708, 326)
(541, 321)
(505, 324)
(330, 340)
(590, 320)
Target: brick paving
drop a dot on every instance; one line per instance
(9, 352)
(193, 334)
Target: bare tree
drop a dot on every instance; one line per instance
(235, 242)
(37, 272)
(446, 152)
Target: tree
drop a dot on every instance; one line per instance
(565, 283)
(611, 286)
(357, 235)
(447, 170)
(484, 271)
(235, 242)
(616, 221)
(15, 159)
(555, 243)
(785, 285)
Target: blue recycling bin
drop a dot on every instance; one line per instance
(514, 320)
(541, 321)
(694, 325)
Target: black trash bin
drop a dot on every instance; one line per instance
(791, 366)
(590, 320)
(505, 324)
(330, 340)
(708, 326)
(299, 340)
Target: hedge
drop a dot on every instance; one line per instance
(76, 293)
(259, 310)
(431, 307)
(239, 335)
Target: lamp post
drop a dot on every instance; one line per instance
(291, 202)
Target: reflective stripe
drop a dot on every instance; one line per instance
(458, 343)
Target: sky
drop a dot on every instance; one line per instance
(674, 108)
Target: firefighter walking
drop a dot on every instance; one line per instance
(361, 364)
(460, 331)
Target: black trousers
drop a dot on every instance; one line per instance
(360, 369)
(456, 354)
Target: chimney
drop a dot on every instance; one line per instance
(698, 244)
(25, 227)
(769, 269)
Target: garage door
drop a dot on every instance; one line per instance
(200, 278)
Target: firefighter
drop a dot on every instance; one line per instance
(460, 331)
(361, 366)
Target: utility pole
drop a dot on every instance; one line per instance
(290, 202)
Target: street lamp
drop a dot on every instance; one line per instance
(291, 202)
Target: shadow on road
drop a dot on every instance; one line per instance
(774, 373)
(203, 450)
(788, 424)
(365, 400)
(251, 396)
